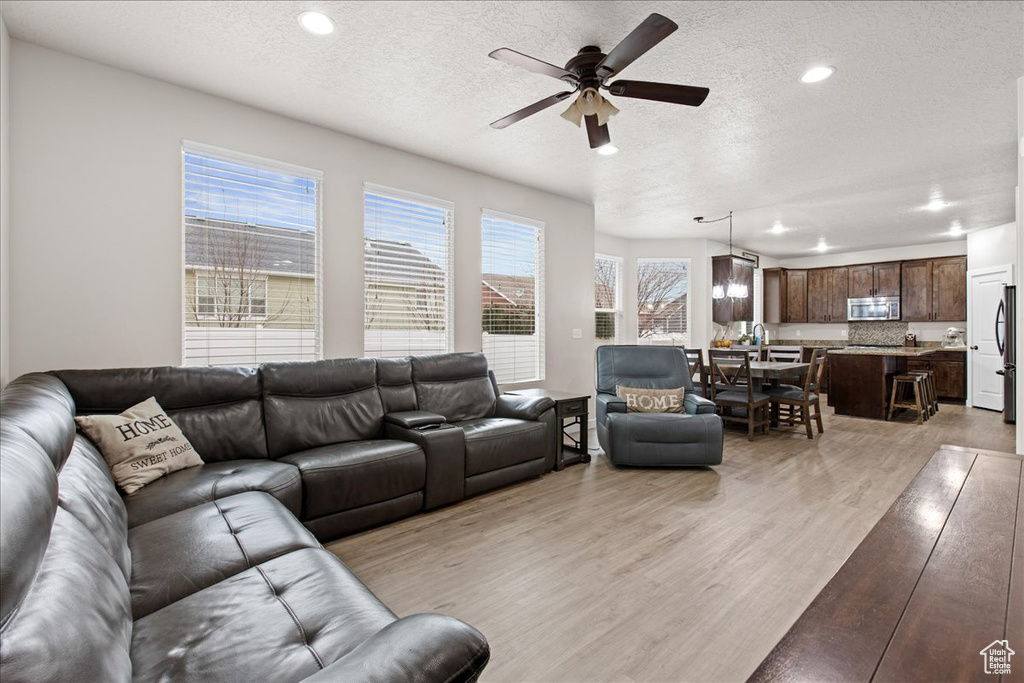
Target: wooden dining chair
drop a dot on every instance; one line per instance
(731, 388)
(785, 354)
(698, 371)
(754, 350)
(800, 400)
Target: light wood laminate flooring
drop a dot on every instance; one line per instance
(603, 574)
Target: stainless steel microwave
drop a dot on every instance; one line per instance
(873, 308)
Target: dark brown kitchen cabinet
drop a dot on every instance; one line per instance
(794, 296)
(949, 289)
(827, 290)
(934, 289)
(949, 373)
(875, 279)
(736, 270)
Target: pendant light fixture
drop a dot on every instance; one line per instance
(732, 289)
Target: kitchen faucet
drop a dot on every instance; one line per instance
(764, 332)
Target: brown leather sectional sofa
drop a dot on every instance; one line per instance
(208, 573)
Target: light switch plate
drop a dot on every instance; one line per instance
(577, 333)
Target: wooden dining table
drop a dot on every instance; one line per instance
(774, 372)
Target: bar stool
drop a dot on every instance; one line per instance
(931, 399)
(900, 398)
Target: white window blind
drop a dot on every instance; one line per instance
(607, 299)
(663, 288)
(512, 290)
(251, 233)
(407, 267)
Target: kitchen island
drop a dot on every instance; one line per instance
(861, 378)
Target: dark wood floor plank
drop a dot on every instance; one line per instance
(959, 605)
(843, 633)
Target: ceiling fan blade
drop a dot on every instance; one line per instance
(649, 33)
(660, 92)
(530, 110)
(532, 64)
(598, 135)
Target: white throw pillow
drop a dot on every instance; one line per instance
(140, 445)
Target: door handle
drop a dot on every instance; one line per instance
(1000, 344)
(974, 348)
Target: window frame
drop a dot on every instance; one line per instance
(670, 339)
(539, 293)
(448, 306)
(616, 311)
(188, 147)
(217, 297)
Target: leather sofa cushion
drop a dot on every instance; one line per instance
(496, 442)
(41, 406)
(197, 485)
(218, 409)
(344, 476)
(282, 620)
(86, 489)
(309, 405)
(455, 385)
(394, 381)
(74, 623)
(207, 544)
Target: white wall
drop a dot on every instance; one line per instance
(96, 219)
(925, 331)
(5, 213)
(993, 247)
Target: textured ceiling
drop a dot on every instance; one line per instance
(923, 101)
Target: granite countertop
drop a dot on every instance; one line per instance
(910, 351)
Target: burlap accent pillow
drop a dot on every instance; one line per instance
(651, 400)
(140, 445)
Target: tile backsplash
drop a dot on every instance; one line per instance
(890, 332)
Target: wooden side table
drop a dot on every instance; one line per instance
(568, 406)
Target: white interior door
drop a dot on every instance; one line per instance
(984, 292)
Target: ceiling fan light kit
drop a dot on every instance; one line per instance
(589, 72)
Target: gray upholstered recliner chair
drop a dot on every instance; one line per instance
(691, 438)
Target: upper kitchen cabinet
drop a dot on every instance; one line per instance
(934, 289)
(732, 270)
(827, 291)
(794, 296)
(875, 279)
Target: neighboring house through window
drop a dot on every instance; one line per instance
(251, 230)
(607, 299)
(407, 273)
(512, 296)
(663, 287)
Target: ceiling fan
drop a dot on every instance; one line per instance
(589, 72)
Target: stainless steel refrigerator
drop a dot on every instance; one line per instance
(1006, 341)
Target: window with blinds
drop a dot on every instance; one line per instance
(251, 231)
(407, 270)
(662, 290)
(607, 299)
(512, 289)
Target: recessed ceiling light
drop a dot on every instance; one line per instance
(607, 150)
(936, 205)
(316, 22)
(777, 228)
(821, 245)
(956, 229)
(817, 73)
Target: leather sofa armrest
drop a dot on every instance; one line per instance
(522, 407)
(444, 446)
(698, 405)
(609, 403)
(412, 419)
(422, 648)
